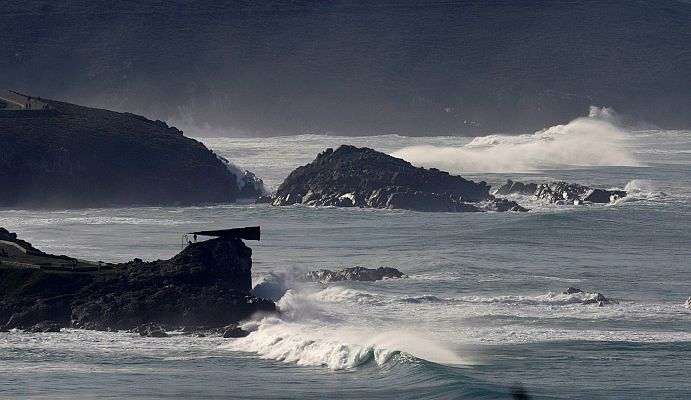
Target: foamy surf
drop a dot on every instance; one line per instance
(596, 140)
(340, 347)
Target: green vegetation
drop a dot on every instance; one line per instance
(6, 105)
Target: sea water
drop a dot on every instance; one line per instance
(481, 313)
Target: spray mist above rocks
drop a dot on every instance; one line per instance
(596, 140)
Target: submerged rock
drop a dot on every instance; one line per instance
(355, 274)
(589, 298)
(361, 177)
(561, 192)
(207, 284)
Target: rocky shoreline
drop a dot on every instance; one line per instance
(204, 287)
(69, 156)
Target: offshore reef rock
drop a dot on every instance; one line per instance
(355, 274)
(207, 284)
(361, 177)
(688, 303)
(73, 156)
(590, 298)
(572, 290)
(561, 192)
(234, 331)
(511, 187)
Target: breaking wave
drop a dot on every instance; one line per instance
(306, 333)
(596, 140)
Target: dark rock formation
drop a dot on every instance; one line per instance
(362, 177)
(561, 192)
(150, 330)
(599, 299)
(688, 303)
(234, 331)
(511, 187)
(572, 290)
(207, 284)
(355, 274)
(73, 156)
(590, 298)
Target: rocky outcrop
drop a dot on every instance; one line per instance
(234, 331)
(73, 156)
(207, 284)
(511, 187)
(561, 192)
(355, 274)
(362, 177)
(589, 298)
(150, 330)
(688, 303)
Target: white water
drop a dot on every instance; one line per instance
(484, 290)
(592, 141)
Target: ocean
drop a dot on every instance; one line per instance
(481, 314)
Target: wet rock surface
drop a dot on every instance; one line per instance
(150, 330)
(207, 284)
(355, 274)
(590, 298)
(561, 192)
(234, 331)
(361, 177)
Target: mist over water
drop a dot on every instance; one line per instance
(596, 140)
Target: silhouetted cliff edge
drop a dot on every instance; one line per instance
(206, 285)
(73, 156)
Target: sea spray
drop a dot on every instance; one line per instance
(306, 333)
(593, 141)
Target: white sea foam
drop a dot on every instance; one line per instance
(551, 298)
(593, 141)
(642, 189)
(307, 333)
(340, 347)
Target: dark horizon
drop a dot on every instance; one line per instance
(352, 68)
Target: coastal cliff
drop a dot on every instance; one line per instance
(72, 156)
(206, 285)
